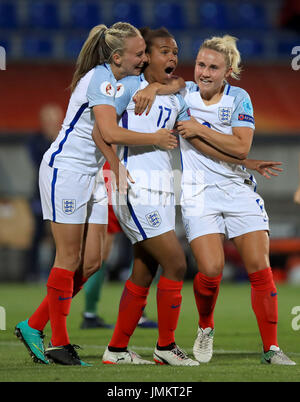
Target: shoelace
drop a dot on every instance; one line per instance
(205, 340)
(133, 354)
(72, 351)
(180, 353)
(281, 355)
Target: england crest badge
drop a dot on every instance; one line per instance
(224, 114)
(68, 206)
(154, 219)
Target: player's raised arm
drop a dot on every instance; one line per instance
(145, 97)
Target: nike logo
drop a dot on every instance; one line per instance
(37, 348)
(119, 359)
(273, 294)
(64, 298)
(173, 306)
(54, 348)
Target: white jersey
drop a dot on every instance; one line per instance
(74, 148)
(233, 110)
(150, 166)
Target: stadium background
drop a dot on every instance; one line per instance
(42, 39)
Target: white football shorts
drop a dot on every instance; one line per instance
(144, 213)
(71, 197)
(230, 208)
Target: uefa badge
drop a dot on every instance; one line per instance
(107, 89)
(154, 219)
(68, 206)
(248, 107)
(224, 114)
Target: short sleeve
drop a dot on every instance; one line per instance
(102, 88)
(184, 112)
(126, 88)
(190, 86)
(243, 115)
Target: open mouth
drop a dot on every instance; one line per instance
(169, 70)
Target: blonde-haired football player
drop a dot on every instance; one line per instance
(219, 199)
(73, 198)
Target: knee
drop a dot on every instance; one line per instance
(71, 260)
(211, 269)
(181, 270)
(254, 264)
(143, 281)
(91, 266)
(176, 269)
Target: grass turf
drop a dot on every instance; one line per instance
(237, 345)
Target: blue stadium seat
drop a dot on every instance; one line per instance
(72, 47)
(195, 45)
(249, 15)
(212, 15)
(43, 14)
(250, 47)
(128, 12)
(171, 15)
(284, 46)
(37, 48)
(8, 15)
(85, 14)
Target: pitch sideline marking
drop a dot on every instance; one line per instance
(148, 348)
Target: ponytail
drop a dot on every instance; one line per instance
(101, 44)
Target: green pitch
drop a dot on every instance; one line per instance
(237, 345)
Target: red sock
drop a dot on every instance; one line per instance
(40, 317)
(79, 281)
(206, 290)
(132, 304)
(168, 309)
(264, 305)
(60, 290)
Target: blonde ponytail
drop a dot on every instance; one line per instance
(227, 46)
(101, 44)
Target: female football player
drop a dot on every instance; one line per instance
(220, 199)
(72, 198)
(147, 215)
